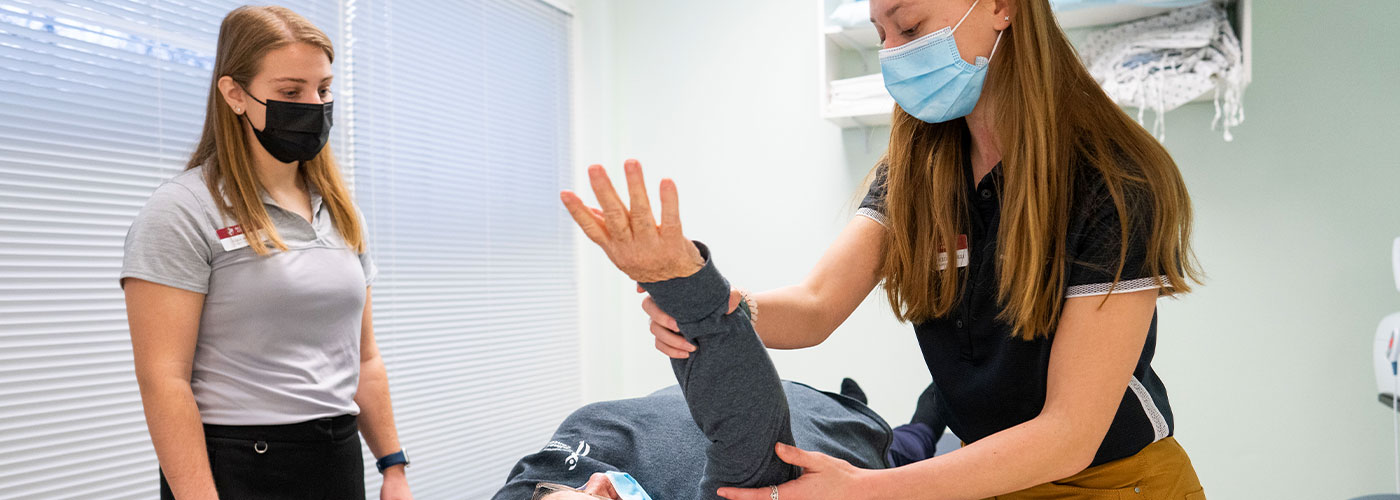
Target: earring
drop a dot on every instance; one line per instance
(237, 110)
(1007, 18)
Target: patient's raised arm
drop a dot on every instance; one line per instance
(730, 384)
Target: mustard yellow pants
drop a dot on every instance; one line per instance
(1161, 471)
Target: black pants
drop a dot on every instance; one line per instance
(319, 459)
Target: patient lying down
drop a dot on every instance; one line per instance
(725, 421)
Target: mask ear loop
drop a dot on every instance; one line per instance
(999, 33)
(250, 94)
(964, 18)
(994, 46)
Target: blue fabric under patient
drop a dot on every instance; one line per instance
(912, 443)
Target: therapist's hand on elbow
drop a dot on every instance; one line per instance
(644, 250)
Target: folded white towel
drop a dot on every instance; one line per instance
(1166, 61)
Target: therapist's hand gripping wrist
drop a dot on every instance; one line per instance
(668, 338)
(646, 251)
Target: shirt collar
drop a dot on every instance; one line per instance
(310, 188)
(991, 181)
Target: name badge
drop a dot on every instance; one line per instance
(232, 238)
(961, 254)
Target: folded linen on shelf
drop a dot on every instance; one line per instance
(1163, 62)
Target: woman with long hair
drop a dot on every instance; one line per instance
(1026, 226)
(247, 289)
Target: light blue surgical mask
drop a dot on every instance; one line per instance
(626, 486)
(930, 80)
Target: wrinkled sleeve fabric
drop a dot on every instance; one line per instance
(873, 205)
(1096, 244)
(167, 242)
(730, 384)
(366, 261)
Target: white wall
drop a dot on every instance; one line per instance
(722, 97)
(1268, 364)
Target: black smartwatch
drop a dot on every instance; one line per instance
(390, 460)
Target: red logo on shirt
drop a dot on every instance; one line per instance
(962, 243)
(230, 232)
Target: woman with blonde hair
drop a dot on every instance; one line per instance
(1026, 227)
(247, 289)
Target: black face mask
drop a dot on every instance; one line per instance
(293, 131)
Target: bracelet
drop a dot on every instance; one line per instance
(750, 305)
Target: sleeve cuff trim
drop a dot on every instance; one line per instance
(1134, 285)
(163, 280)
(872, 214)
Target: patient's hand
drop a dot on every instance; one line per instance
(631, 238)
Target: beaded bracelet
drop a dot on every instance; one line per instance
(750, 305)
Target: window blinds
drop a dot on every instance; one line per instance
(460, 146)
(101, 100)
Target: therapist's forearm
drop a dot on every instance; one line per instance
(178, 436)
(376, 418)
(793, 317)
(1038, 451)
(805, 314)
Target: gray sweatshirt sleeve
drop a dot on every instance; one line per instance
(730, 384)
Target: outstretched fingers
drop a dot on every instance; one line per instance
(614, 212)
(670, 209)
(587, 218)
(642, 222)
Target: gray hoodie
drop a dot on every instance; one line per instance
(718, 426)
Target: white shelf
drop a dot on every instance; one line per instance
(865, 120)
(861, 42)
(863, 37)
(1098, 16)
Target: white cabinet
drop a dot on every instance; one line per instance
(851, 52)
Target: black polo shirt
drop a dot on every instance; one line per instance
(992, 380)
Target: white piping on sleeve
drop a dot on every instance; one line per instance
(1160, 430)
(873, 214)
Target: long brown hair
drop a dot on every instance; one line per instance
(1052, 120)
(246, 35)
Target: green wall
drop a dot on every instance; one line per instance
(1269, 363)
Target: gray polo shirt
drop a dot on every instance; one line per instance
(279, 336)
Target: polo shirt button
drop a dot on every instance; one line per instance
(959, 323)
(986, 194)
(1137, 490)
